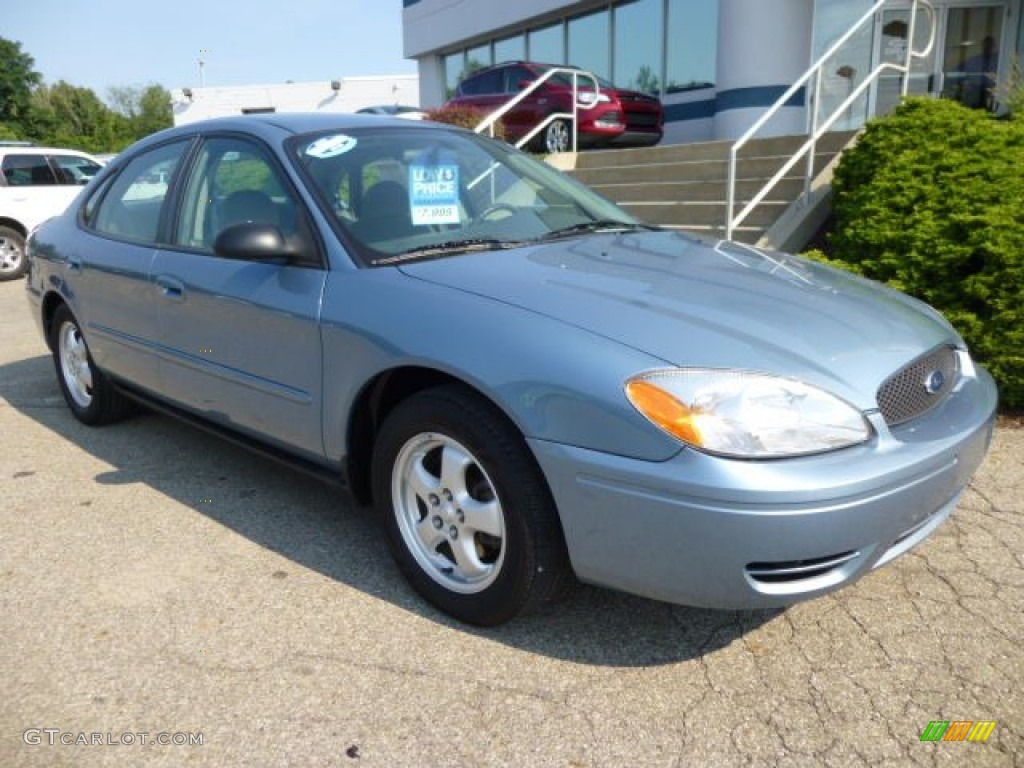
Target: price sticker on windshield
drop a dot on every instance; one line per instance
(434, 194)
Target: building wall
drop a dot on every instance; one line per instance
(757, 49)
(675, 48)
(353, 93)
(429, 25)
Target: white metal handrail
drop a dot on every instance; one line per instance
(487, 124)
(816, 130)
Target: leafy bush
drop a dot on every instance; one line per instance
(465, 117)
(931, 201)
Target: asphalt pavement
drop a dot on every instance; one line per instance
(167, 599)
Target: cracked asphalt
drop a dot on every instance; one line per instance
(156, 580)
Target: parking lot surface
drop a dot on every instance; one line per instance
(157, 581)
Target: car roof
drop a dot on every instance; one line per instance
(20, 150)
(273, 126)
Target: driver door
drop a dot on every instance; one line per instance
(240, 339)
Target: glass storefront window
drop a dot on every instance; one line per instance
(692, 47)
(454, 64)
(846, 69)
(589, 43)
(971, 55)
(638, 27)
(547, 45)
(478, 58)
(510, 49)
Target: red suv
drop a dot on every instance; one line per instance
(620, 118)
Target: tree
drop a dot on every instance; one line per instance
(148, 109)
(18, 78)
(68, 116)
(155, 112)
(645, 81)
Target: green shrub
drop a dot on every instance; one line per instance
(931, 201)
(465, 117)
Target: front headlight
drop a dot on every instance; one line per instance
(590, 97)
(745, 414)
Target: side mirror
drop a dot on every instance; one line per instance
(254, 241)
(524, 84)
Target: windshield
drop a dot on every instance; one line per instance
(428, 191)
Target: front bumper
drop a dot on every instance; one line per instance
(706, 531)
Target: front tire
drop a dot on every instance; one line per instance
(557, 137)
(90, 395)
(13, 261)
(469, 517)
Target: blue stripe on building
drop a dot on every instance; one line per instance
(759, 96)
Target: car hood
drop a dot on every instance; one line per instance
(690, 302)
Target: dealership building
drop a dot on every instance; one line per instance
(718, 64)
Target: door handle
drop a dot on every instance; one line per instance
(170, 288)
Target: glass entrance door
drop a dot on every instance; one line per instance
(970, 56)
(892, 35)
(963, 64)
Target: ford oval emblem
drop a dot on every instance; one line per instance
(935, 381)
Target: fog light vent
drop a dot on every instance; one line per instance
(785, 571)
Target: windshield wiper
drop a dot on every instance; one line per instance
(598, 225)
(448, 248)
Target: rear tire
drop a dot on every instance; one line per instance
(90, 395)
(13, 261)
(469, 517)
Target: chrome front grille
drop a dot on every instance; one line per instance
(919, 386)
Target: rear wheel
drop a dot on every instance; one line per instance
(13, 262)
(469, 517)
(90, 395)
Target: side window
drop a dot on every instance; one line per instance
(234, 181)
(133, 201)
(484, 83)
(515, 77)
(73, 169)
(27, 171)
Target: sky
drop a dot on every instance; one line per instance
(98, 44)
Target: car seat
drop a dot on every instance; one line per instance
(384, 213)
(248, 205)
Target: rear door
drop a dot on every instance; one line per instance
(108, 274)
(240, 340)
(525, 116)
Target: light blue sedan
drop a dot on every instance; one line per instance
(526, 382)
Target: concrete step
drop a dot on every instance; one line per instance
(683, 214)
(696, 191)
(684, 186)
(697, 170)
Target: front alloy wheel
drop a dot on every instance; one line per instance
(448, 513)
(556, 137)
(469, 517)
